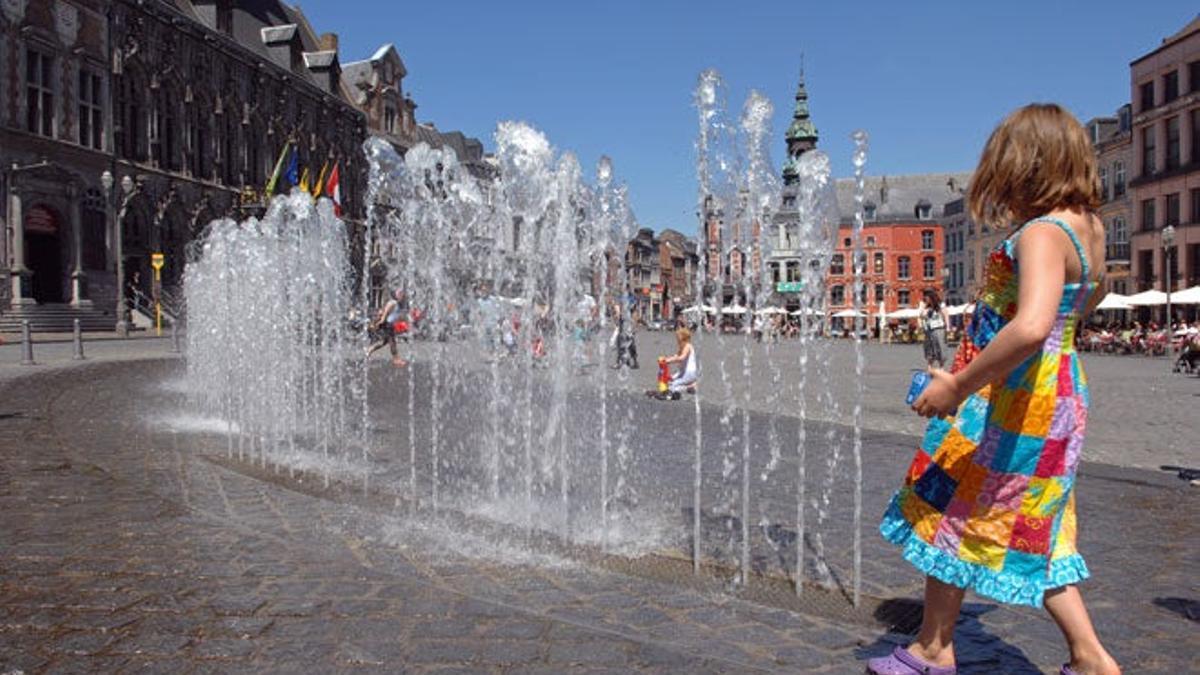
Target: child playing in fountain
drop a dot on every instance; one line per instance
(389, 323)
(687, 376)
(988, 502)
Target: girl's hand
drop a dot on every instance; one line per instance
(941, 397)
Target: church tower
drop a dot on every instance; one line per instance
(801, 136)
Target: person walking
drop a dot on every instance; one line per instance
(933, 323)
(988, 503)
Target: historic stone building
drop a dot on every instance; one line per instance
(185, 104)
(1112, 138)
(1165, 90)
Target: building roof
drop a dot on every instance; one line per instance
(898, 196)
(1192, 27)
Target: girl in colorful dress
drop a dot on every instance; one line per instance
(988, 503)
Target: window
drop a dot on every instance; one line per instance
(774, 273)
(927, 240)
(930, 267)
(1171, 86)
(39, 93)
(1146, 267)
(869, 211)
(1118, 179)
(1194, 158)
(871, 241)
(1148, 151)
(902, 297)
(862, 294)
(837, 295)
(903, 263)
(91, 111)
(878, 263)
(1118, 240)
(971, 265)
(1147, 215)
(1195, 199)
(1194, 76)
(1172, 214)
(389, 119)
(1147, 96)
(1103, 183)
(879, 291)
(838, 265)
(1172, 143)
(846, 242)
(924, 210)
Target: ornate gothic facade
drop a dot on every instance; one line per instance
(186, 103)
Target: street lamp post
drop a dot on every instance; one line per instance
(1168, 238)
(107, 182)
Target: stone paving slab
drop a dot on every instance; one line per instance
(122, 552)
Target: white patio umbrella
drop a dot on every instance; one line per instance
(1114, 301)
(771, 310)
(1190, 296)
(906, 313)
(1149, 298)
(811, 311)
(848, 314)
(696, 309)
(733, 309)
(955, 310)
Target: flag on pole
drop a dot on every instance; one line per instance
(304, 182)
(292, 173)
(334, 191)
(319, 187)
(271, 184)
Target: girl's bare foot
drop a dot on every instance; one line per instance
(399, 362)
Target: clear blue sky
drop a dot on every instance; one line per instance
(928, 80)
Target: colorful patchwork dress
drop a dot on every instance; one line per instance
(988, 503)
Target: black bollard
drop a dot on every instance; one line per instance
(78, 342)
(26, 344)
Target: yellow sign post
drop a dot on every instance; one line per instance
(156, 261)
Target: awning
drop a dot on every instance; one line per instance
(733, 309)
(906, 313)
(1190, 296)
(1114, 301)
(848, 314)
(1148, 298)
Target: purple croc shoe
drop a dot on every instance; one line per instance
(901, 662)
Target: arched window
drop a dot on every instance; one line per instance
(878, 262)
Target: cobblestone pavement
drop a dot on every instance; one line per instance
(124, 550)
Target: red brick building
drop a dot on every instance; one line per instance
(903, 258)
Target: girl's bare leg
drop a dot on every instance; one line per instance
(1088, 656)
(935, 641)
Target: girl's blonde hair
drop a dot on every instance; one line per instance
(683, 335)
(1039, 159)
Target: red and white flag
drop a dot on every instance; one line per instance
(334, 191)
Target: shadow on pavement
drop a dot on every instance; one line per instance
(977, 650)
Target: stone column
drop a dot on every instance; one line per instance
(19, 275)
(78, 277)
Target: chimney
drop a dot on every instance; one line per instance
(329, 42)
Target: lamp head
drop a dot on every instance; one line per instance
(106, 180)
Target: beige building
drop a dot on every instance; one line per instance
(1113, 140)
(1165, 88)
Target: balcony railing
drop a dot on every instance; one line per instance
(1117, 252)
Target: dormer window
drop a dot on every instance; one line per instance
(869, 210)
(923, 210)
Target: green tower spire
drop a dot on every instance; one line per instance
(801, 135)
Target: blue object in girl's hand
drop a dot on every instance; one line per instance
(920, 380)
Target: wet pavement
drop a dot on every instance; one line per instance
(129, 547)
